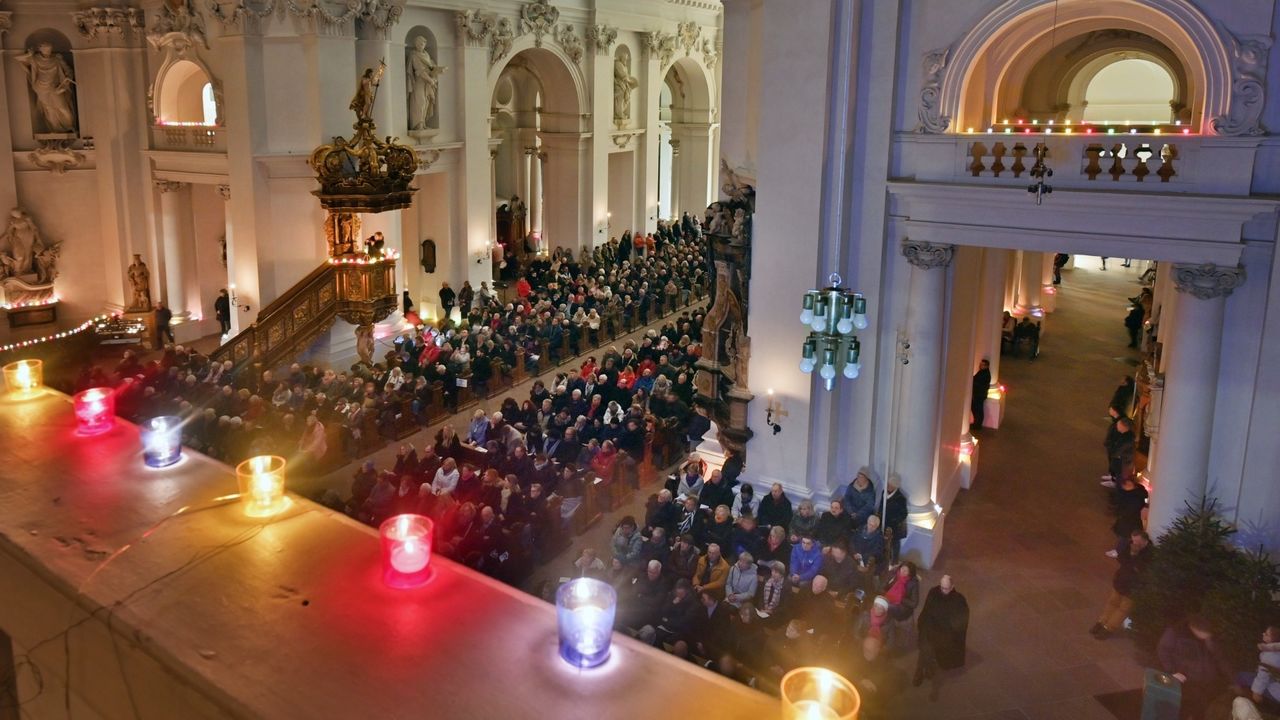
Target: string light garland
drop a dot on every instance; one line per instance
(387, 256)
(58, 336)
(32, 304)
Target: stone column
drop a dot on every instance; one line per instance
(1013, 270)
(536, 159)
(675, 175)
(225, 192)
(994, 272)
(1030, 283)
(1190, 389)
(173, 225)
(916, 445)
(1048, 291)
(493, 196)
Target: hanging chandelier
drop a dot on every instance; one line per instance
(832, 314)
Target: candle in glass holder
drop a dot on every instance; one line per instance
(95, 411)
(24, 377)
(585, 608)
(162, 441)
(261, 481)
(406, 550)
(812, 693)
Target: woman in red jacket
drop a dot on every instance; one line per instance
(602, 464)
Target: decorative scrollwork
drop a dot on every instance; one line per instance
(570, 43)
(602, 38)
(689, 32)
(1207, 281)
(927, 256)
(1248, 85)
(930, 118)
(92, 22)
(538, 17)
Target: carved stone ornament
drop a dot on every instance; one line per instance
(6, 22)
(1248, 85)
(380, 14)
(92, 22)
(427, 158)
(504, 35)
(930, 118)
(538, 17)
(178, 25)
(602, 38)
(56, 156)
(659, 45)
(570, 43)
(224, 191)
(28, 261)
(1207, 281)
(927, 256)
(709, 55)
(474, 26)
(688, 32)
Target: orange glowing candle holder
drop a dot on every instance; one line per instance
(812, 693)
(24, 377)
(95, 410)
(406, 550)
(261, 481)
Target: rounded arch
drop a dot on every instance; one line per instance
(1157, 88)
(691, 87)
(179, 93)
(563, 89)
(1000, 50)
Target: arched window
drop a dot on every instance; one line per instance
(1129, 89)
(210, 105)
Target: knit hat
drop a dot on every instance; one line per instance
(882, 602)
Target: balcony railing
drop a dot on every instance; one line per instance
(189, 138)
(1130, 162)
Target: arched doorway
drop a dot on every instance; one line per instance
(1134, 89)
(185, 95)
(686, 140)
(537, 106)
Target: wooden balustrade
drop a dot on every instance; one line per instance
(1095, 158)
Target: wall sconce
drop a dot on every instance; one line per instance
(235, 300)
(774, 409)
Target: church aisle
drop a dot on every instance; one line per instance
(1026, 544)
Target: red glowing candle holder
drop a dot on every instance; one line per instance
(406, 550)
(95, 411)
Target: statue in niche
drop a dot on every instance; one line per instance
(28, 262)
(367, 93)
(50, 78)
(623, 83)
(424, 84)
(140, 282)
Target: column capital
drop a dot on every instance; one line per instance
(225, 191)
(927, 256)
(1207, 281)
(168, 186)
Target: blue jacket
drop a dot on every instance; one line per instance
(806, 564)
(861, 504)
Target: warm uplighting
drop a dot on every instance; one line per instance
(812, 693)
(585, 608)
(261, 481)
(968, 446)
(406, 550)
(162, 441)
(54, 300)
(24, 377)
(95, 411)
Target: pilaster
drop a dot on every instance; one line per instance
(474, 29)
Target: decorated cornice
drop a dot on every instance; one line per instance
(99, 21)
(324, 14)
(178, 28)
(658, 45)
(602, 38)
(168, 186)
(474, 27)
(1207, 281)
(927, 256)
(539, 18)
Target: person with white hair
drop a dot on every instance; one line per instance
(741, 585)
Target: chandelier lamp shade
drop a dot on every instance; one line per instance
(832, 315)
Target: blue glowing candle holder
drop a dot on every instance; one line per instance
(162, 441)
(585, 609)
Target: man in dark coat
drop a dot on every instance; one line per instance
(895, 519)
(447, 299)
(978, 401)
(942, 627)
(222, 311)
(1189, 652)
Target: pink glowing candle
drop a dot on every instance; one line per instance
(95, 410)
(406, 550)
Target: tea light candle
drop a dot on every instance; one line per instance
(585, 608)
(812, 693)
(261, 481)
(24, 377)
(95, 410)
(162, 441)
(406, 550)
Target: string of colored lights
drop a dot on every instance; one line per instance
(387, 256)
(58, 336)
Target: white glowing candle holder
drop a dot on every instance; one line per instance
(95, 410)
(585, 608)
(261, 481)
(24, 377)
(162, 441)
(812, 693)
(406, 550)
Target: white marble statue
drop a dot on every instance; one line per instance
(28, 262)
(623, 83)
(50, 78)
(424, 84)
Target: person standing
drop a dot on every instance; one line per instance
(942, 628)
(447, 298)
(164, 318)
(1059, 261)
(1120, 452)
(978, 401)
(466, 297)
(1133, 323)
(222, 311)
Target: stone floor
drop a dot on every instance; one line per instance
(1025, 544)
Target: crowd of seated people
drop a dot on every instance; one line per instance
(322, 417)
(754, 588)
